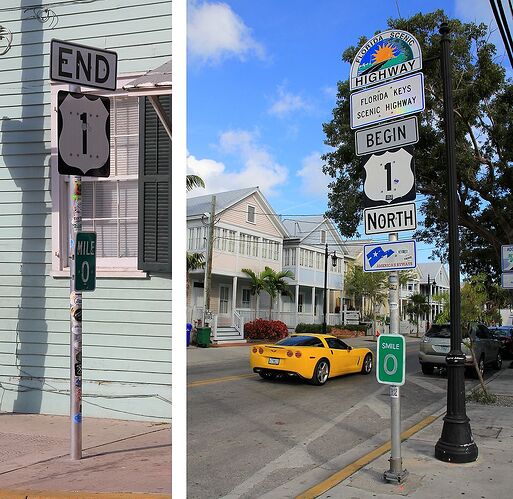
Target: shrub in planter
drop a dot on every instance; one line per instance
(303, 327)
(261, 329)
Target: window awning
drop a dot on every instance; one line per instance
(155, 78)
(159, 77)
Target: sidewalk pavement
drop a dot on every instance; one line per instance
(120, 459)
(489, 477)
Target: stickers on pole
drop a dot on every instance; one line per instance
(389, 54)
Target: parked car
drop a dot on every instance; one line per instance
(504, 334)
(314, 357)
(436, 343)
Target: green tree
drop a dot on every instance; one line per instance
(417, 306)
(275, 283)
(192, 181)
(371, 285)
(483, 110)
(256, 285)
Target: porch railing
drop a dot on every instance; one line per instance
(237, 322)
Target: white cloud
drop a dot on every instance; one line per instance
(313, 180)
(215, 32)
(286, 103)
(257, 166)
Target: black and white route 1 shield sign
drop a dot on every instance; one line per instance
(389, 177)
(83, 134)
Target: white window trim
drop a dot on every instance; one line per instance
(117, 267)
(254, 213)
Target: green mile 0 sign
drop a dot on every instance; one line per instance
(391, 359)
(85, 261)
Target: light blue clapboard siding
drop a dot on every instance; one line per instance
(127, 321)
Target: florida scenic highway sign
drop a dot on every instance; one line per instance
(389, 54)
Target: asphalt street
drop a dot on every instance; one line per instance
(253, 438)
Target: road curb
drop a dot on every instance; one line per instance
(56, 494)
(359, 463)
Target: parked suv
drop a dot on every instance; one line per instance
(505, 336)
(437, 342)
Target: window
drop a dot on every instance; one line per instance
(246, 298)
(310, 258)
(109, 205)
(300, 303)
(293, 257)
(319, 261)
(335, 343)
(224, 294)
(251, 214)
(224, 239)
(197, 238)
(323, 236)
(242, 244)
(301, 341)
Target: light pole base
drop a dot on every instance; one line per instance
(456, 445)
(395, 476)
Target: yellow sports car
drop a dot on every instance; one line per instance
(315, 357)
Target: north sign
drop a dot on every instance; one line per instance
(83, 134)
(389, 54)
(82, 65)
(393, 218)
(395, 255)
(391, 359)
(388, 136)
(389, 178)
(507, 258)
(387, 101)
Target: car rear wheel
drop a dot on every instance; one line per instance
(427, 368)
(321, 372)
(498, 361)
(367, 364)
(267, 375)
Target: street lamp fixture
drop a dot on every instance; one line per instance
(334, 264)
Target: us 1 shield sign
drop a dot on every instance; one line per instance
(83, 134)
(389, 177)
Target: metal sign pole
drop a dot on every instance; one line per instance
(75, 304)
(395, 473)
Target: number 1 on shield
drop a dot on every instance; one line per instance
(83, 118)
(388, 168)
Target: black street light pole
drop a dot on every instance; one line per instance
(456, 444)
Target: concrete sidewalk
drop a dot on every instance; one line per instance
(489, 477)
(121, 459)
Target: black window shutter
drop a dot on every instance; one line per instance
(154, 252)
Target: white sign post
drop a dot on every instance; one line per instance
(387, 101)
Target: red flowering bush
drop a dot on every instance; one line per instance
(260, 329)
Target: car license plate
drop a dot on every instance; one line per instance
(274, 361)
(441, 348)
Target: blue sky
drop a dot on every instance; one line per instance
(261, 81)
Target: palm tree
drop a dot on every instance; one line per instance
(275, 283)
(192, 181)
(416, 307)
(256, 285)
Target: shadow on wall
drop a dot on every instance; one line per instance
(25, 155)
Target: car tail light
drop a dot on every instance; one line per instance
(260, 350)
(298, 354)
(289, 353)
(255, 349)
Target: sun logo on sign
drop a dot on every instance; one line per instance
(384, 53)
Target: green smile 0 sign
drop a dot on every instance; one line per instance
(85, 261)
(391, 359)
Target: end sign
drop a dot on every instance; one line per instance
(85, 261)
